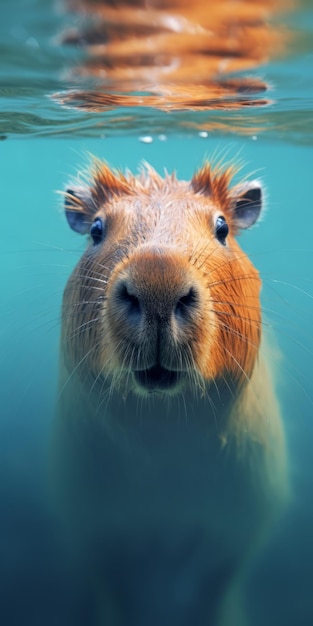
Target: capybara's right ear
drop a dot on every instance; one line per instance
(76, 205)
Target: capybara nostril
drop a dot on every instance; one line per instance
(186, 305)
(127, 302)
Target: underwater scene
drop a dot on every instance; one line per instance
(91, 91)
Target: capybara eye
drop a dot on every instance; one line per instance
(221, 229)
(97, 230)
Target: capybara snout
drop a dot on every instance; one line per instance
(153, 308)
(157, 289)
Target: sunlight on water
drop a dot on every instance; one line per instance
(170, 83)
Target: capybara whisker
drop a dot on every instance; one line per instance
(84, 327)
(296, 287)
(246, 376)
(233, 279)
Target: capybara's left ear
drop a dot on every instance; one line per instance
(77, 209)
(247, 204)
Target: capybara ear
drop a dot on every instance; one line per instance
(77, 209)
(247, 204)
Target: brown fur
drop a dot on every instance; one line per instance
(222, 415)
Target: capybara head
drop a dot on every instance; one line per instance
(163, 299)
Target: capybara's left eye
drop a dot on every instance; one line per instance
(97, 230)
(221, 229)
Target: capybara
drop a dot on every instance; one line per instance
(170, 453)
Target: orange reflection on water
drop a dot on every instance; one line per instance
(173, 56)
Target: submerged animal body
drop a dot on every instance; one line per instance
(170, 446)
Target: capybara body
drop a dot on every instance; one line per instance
(170, 448)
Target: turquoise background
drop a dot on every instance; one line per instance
(38, 252)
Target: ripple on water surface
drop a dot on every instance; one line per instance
(96, 69)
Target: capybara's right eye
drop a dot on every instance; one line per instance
(97, 230)
(221, 229)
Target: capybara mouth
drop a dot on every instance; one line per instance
(157, 378)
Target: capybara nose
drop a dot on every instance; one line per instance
(154, 290)
(138, 304)
(153, 309)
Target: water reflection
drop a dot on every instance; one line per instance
(174, 56)
(156, 68)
